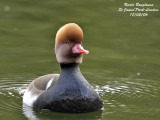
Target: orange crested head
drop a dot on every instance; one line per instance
(70, 32)
(68, 44)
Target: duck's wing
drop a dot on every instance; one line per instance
(44, 82)
(37, 87)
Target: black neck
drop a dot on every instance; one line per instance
(70, 71)
(69, 65)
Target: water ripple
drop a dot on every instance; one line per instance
(128, 92)
(11, 91)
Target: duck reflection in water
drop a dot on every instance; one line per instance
(34, 114)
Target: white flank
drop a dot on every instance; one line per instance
(29, 98)
(49, 83)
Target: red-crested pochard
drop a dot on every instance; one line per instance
(68, 91)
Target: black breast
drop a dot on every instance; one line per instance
(71, 93)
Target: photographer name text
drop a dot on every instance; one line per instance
(138, 9)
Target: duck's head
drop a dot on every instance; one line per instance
(68, 44)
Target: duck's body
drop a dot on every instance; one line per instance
(69, 91)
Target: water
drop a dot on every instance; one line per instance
(123, 65)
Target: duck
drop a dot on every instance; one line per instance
(69, 91)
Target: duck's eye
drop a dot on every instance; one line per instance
(68, 42)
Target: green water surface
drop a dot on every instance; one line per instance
(123, 65)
